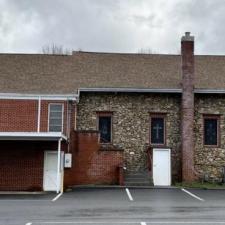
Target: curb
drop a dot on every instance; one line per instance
(22, 193)
(203, 188)
(117, 187)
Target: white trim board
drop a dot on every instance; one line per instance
(31, 136)
(37, 96)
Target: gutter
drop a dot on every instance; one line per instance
(209, 91)
(130, 90)
(75, 97)
(150, 90)
(38, 96)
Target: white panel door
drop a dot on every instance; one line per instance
(161, 167)
(50, 171)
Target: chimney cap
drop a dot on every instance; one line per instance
(187, 37)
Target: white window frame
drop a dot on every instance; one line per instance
(49, 114)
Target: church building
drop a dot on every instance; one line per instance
(111, 118)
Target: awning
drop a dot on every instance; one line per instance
(32, 136)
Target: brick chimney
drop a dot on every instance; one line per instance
(187, 53)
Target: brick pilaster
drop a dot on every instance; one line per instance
(187, 52)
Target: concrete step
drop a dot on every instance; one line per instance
(138, 178)
(137, 174)
(131, 183)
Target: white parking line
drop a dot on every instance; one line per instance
(193, 195)
(129, 195)
(143, 223)
(28, 223)
(57, 196)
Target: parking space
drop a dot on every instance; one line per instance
(27, 197)
(114, 206)
(217, 196)
(95, 195)
(162, 197)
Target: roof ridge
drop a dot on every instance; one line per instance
(123, 53)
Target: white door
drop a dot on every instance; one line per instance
(50, 171)
(161, 167)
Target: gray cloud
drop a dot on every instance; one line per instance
(111, 25)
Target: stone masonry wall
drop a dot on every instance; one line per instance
(131, 115)
(209, 161)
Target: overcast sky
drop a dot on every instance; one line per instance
(112, 25)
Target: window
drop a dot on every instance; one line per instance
(157, 130)
(211, 130)
(105, 127)
(55, 117)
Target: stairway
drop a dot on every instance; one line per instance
(140, 178)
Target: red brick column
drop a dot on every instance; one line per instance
(187, 52)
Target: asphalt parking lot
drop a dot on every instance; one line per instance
(115, 206)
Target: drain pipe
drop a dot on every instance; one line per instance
(59, 178)
(39, 114)
(223, 174)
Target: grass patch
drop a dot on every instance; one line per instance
(202, 185)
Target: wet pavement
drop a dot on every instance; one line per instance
(114, 206)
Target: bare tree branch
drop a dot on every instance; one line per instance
(146, 51)
(55, 49)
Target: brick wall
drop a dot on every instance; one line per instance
(22, 115)
(22, 161)
(18, 115)
(44, 115)
(187, 112)
(92, 165)
(22, 164)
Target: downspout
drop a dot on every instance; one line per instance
(78, 96)
(75, 117)
(75, 113)
(39, 114)
(68, 124)
(58, 166)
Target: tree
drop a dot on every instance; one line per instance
(55, 49)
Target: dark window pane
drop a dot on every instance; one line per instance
(55, 122)
(55, 118)
(55, 128)
(105, 129)
(157, 130)
(55, 108)
(210, 131)
(55, 114)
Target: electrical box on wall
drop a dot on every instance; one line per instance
(68, 160)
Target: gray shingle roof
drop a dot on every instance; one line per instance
(58, 74)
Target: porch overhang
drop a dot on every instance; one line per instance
(32, 136)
